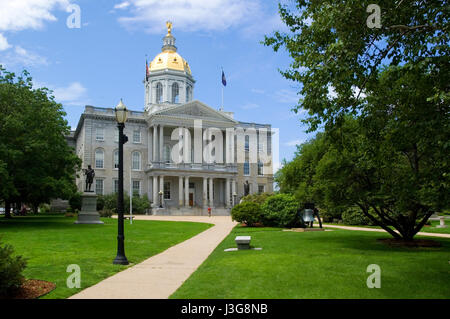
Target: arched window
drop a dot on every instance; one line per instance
(175, 93)
(99, 158)
(116, 159)
(159, 93)
(188, 93)
(136, 161)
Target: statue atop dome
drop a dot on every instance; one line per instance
(169, 27)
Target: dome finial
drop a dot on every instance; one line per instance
(169, 27)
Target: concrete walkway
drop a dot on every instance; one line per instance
(160, 276)
(383, 231)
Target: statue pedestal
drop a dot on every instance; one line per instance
(88, 214)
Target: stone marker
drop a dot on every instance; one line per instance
(243, 242)
(441, 222)
(88, 214)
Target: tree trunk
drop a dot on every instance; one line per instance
(8, 209)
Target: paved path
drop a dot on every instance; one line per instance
(160, 276)
(383, 231)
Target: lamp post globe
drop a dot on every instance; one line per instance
(121, 117)
(160, 199)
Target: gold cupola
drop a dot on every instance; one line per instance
(169, 58)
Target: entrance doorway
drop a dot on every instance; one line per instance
(191, 199)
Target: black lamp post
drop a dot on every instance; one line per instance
(121, 117)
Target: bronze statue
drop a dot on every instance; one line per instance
(90, 174)
(246, 188)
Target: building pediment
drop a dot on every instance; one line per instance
(194, 110)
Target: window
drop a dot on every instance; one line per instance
(116, 159)
(167, 153)
(137, 188)
(100, 134)
(136, 161)
(136, 136)
(260, 168)
(99, 186)
(260, 147)
(99, 158)
(116, 135)
(246, 168)
(116, 186)
(166, 190)
(188, 93)
(175, 93)
(247, 143)
(159, 92)
(260, 189)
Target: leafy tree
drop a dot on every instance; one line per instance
(36, 163)
(333, 49)
(387, 119)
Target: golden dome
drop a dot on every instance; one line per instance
(169, 60)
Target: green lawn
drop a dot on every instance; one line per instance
(330, 264)
(426, 229)
(51, 243)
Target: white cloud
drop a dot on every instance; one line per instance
(4, 45)
(122, 5)
(250, 106)
(294, 142)
(73, 94)
(22, 57)
(286, 96)
(189, 15)
(257, 91)
(28, 14)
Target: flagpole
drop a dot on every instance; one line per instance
(222, 100)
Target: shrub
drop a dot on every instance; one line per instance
(247, 212)
(256, 198)
(105, 212)
(280, 211)
(75, 201)
(11, 268)
(354, 216)
(44, 208)
(100, 202)
(140, 204)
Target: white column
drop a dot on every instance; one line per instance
(211, 192)
(155, 191)
(161, 143)
(149, 148)
(186, 191)
(205, 192)
(180, 191)
(155, 135)
(161, 188)
(227, 194)
(233, 191)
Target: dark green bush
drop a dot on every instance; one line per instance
(256, 198)
(354, 216)
(247, 212)
(105, 212)
(100, 202)
(11, 268)
(75, 201)
(280, 210)
(140, 204)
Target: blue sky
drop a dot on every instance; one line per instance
(104, 59)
